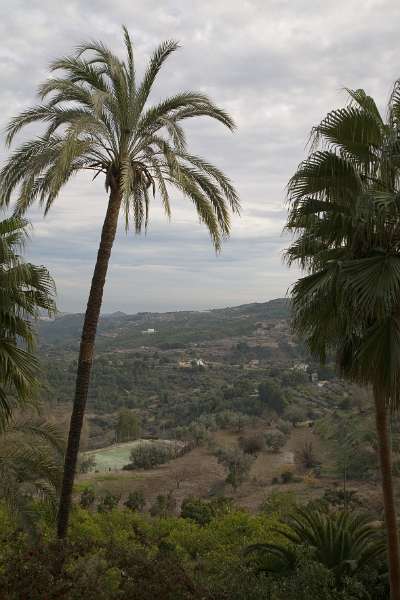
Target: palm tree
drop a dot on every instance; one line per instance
(31, 466)
(98, 119)
(25, 289)
(343, 542)
(344, 209)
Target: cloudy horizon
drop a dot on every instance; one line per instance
(276, 66)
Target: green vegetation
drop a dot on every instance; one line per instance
(149, 456)
(25, 290)
(237, 463)
(344, 543)
(127, 427)
(343, 208)
(98, 118)
(243, 467)
(120, 553)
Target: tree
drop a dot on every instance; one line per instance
(271, 396)
(344, 209)
(25, 290)
(237, 463)
(98, 120)
(127, 427)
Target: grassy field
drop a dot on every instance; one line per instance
(198, 473)
(114, 457)
(117, 456)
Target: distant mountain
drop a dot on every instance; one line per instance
(171, 327)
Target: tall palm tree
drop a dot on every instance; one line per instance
(25, 289)
(99, 119)
(344, 209)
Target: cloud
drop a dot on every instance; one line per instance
(277, 65)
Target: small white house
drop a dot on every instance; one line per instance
(149, 331)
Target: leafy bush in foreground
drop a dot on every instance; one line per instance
(125, 555)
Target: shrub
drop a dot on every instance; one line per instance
(196, 509)
(149, 456)
(163, 506)
(284, 427)
(108, 502)
(287, 476)
(86, 463)
(336, 498)
(87, 498)
(135, 501)
(306, 458)
(203, 511)
(279, 503)
(275, 440)
(252, 444)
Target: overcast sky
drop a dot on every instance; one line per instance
(276, 65)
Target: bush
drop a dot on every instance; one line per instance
(196, 509)
(87, 498)
(135, 501)
(108, 502)
(306, 458)
(279, 503)
(287, 476)
(275, 440)
(163, 506)
(86, 463)
(253, 444)
(284, 427)
(341, 498)
(149, 456)
(203, 511)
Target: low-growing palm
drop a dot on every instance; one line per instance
(343, 542)
(345, 213)
(31, 466)
(25, 289)
(99, 120)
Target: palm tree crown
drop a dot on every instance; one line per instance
(345, 212)
(98, 119)
(343, 542)
(25, 289)
(31, 461)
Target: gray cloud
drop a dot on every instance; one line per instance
(277, 65)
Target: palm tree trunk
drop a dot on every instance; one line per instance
(385, 457)
(86, 358)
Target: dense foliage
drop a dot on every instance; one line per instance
(126, 555)
(25, 291)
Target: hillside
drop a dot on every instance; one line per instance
(119, 330)
(177, 367)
